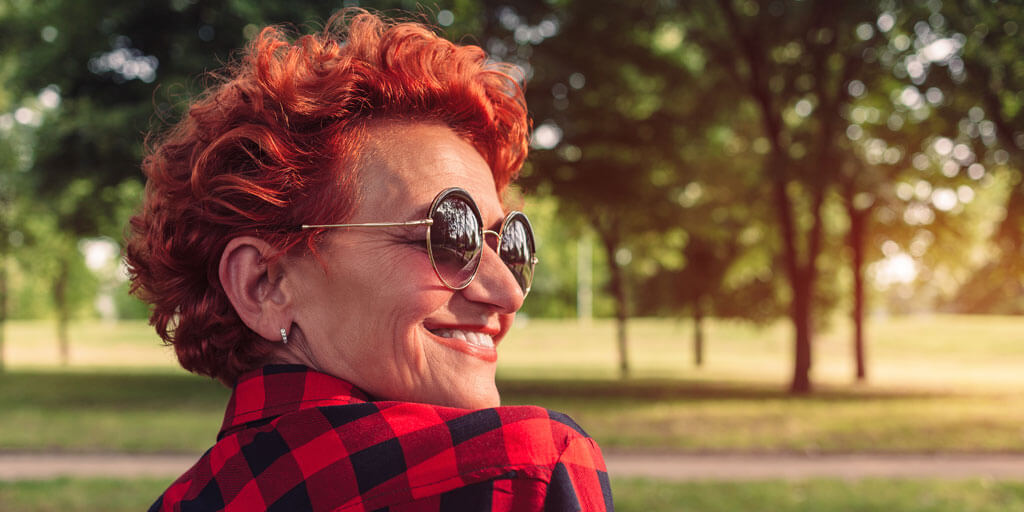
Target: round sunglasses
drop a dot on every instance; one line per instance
(455, 240)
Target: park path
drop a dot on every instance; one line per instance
(676, 467)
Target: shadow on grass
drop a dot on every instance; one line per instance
(121, 411)
(125, 390)
(684, 390)
(109, 389)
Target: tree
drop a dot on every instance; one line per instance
(598, 94)
(95, 72)
(18, 128)
(982, 89)
(793, 61)
(723, 265)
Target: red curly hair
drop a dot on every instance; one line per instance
(271, 147)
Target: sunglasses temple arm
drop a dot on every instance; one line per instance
(421, 222)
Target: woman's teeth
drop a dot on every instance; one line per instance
(472, 337)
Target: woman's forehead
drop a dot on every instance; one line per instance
(406, 165)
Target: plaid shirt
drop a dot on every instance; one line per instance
(296, 439)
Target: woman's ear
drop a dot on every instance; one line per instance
(254, 287)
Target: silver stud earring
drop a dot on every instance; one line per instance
(284, 336)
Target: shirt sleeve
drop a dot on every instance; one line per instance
(580, 480)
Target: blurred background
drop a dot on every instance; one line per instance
(766, 226)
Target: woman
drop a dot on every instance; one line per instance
(324, 232)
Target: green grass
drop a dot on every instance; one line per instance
(129, 412)
(939, 384)
(82, 495)
(820, 496)
(94, 344)
(124, 412)
(701, 418)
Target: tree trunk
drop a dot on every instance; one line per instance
(618, 288)
(801, 316)
(801, 279)
(856, 241)
(1008, 235)
(698, 334)
(60, 297)
(584, 280)
(801, 272)
(621, 336)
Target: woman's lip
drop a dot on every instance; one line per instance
(483, 329)
(486, 354)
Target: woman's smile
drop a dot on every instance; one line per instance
(477, 343)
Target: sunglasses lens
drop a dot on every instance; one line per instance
(517, 249)
(455, 240)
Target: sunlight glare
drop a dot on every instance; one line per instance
(899, 268)
(546, 136)
(940, 50)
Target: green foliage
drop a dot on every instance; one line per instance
(32, 296)
(554, 293)
(128, 306)
(51, 257)
(659, 151)
(980, 86)
(554, 285)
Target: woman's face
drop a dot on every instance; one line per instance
(380, 317)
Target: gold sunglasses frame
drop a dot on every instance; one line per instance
(444, 194)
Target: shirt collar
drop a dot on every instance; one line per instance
(278, 389)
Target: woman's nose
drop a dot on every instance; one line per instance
(494, 284)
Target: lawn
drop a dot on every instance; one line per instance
(80, 495)
(926, 352)
(86, 411)
(175, 412)
(820, 496)
(961, 391)
(631, 495)
(937, 384)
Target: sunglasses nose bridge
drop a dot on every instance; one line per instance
(497, 252)
(500, 275)
(497, 237)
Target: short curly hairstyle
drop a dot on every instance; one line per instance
(272, 146)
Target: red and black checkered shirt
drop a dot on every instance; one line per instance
(296, 439)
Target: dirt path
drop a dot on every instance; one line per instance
(663, 466)
(41, 466)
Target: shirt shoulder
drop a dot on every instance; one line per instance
(372, 455)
